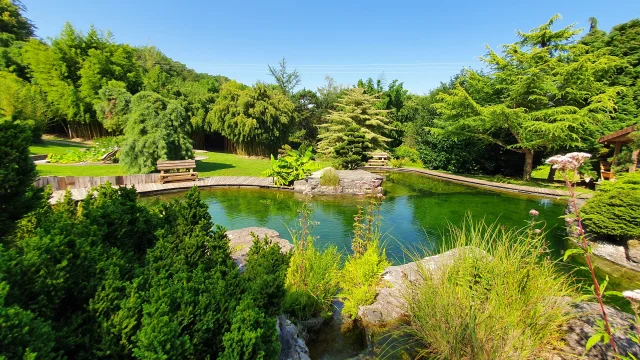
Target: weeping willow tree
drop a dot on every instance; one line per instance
(355, 108)
(548, 94)
(257, 119)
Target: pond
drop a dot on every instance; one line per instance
(415, 212)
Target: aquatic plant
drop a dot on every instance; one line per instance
(295, 165)
(497, 296)
(312, 277)
(361, 275)
(330, 178)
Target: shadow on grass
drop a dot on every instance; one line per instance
(212, 166)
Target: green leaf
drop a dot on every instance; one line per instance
(613, 293)
(593, 341)
(570, 252)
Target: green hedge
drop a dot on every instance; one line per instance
(614, 211)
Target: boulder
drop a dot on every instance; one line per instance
(355, 182)
(582, 325)
(633, 250)
(390, 305)
(240, 242)
(292, 346)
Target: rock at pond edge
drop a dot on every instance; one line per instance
(240, 242)
(356, 182)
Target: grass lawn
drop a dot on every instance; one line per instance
(216, 164)
(57, 147)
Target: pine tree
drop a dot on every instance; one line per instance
(550, 91)
(359, 109)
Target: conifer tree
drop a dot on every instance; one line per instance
(549, 90)
(359, 109)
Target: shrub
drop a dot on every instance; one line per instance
(505, 303)
(295, 165)
(264, 275)
(252, 335)
(399, 162)
(17, 174)
(614, 211)
(312, 277)
(95, 153)
(404, 151)
(352, 152)
(330, 178)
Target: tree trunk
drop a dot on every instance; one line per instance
(552, 174)
(528, 164)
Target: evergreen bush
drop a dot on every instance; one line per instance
(352, 152)
(614, 211)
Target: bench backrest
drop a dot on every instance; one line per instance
(379, 156)
(176, 164)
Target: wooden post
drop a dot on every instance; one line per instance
(634, 160)
(615, 154)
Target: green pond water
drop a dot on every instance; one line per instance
(415, 212)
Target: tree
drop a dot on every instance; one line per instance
(549, 92)
(308, 117)
(112, 106)
(351, 153)
(329, 94)
(257, 119)
(156, 130)
(17, 174)
(13, 24)
(356, 108)
(287, 81)
(252, 335)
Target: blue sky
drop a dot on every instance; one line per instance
(420, 43)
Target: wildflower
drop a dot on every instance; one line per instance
(561, 162)
(537, 231)
(578, 157)
(632, 295)
(534, 212)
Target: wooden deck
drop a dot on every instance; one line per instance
(154, 188)
(520, 189)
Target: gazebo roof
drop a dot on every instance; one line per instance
(621, 136)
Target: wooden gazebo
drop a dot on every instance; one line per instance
(618, 138)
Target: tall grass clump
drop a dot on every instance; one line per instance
(499, 297)
(312, 277)
(330, 177)
(361, 275)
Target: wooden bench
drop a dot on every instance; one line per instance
(378, 159)
(176, 171)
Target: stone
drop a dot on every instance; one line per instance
(633, 250)
(240, 242)
(389, 305)
(356, 182)
(582, 325)
(292, 347)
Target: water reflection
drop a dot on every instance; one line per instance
(415, 214)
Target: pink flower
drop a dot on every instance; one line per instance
(571, 161)
(537, 231)
(578, 157)
(632, 295)
(534, 212)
